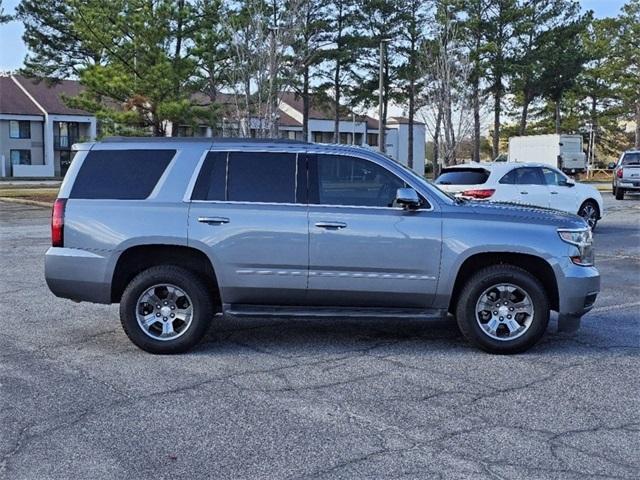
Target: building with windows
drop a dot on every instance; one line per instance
(353, 129)
(37, 129)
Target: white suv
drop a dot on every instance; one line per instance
(526, 183)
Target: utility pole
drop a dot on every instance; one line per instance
(381, 123)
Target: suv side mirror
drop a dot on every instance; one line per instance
(611, 165)
(408, 198)
(569, 182)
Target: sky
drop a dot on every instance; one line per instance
(13, 50)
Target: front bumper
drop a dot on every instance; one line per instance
(578, 288)
(77, 274)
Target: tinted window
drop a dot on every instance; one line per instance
(462, 176)
(120, 174)
(552, 177)
(631, 158)
(212, 180)
(247, 177)
(353, 181)
(524, 176)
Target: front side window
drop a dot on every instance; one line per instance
(19, 129)
(264, 177)
(20, 157)
(351, 181)
(523, 176)
(553, 177)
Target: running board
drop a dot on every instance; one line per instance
(240, 310)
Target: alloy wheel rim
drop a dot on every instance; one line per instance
(589, 215)
(164, 312)
(504, 311)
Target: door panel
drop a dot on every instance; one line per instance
(248, 217)
(260, 253)
(377, 258)
(363, 250)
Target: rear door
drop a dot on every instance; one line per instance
(365, 251)
(248, 213)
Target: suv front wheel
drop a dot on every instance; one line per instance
(503, 309)
(166, 309)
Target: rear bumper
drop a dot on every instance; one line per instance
(578, 289)
(635, 185)
(77, 274)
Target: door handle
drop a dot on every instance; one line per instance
(554, 193)
(213, 220)
(331, 225)
(524, 193)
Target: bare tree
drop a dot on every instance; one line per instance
(449, 112)
(261, 38)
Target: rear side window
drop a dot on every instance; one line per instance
(120, 174)
(524, 176)
(268, 177)
(632, 158)
(462, 176)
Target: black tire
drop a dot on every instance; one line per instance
(581, 212)
(483, 280)
(619, 193)
(613, 190)
(190, 284)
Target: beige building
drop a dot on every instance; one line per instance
(37, 129)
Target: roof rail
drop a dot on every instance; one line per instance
(201, 140)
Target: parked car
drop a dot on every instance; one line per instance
(527, 183)
(626, 174)
(178, 230)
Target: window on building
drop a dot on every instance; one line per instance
(20, 157)
(248, 177)
(342, 180)
(19, 129)
(372, 139)
(120, 174)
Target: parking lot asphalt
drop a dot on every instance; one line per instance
(325, 399)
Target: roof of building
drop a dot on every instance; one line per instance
(49, 95)
(403, 121)
(14, 101)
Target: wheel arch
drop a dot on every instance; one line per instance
(137, 258)
(536, 266)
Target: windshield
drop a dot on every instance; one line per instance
(631, 158)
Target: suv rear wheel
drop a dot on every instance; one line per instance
(503, 309)
(619, 193)
(166, 309)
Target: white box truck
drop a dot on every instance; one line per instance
(561, 151)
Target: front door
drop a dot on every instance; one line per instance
(524, 185)
(364, 250)
(247, 215)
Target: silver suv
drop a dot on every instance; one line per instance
(179, 230)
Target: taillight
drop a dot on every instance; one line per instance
(480, 193)
(619, 173)
(57, 222)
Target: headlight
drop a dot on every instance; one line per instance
(583, 241)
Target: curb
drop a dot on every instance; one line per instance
(24, 201)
